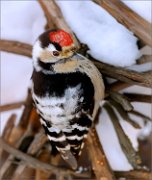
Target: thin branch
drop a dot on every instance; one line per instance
(134, 97)
(9, 126)
(118, 85)
(44, 156)
(123, 14)
(16, 47)
(6, 135)
(139, 114)
(8, 107)
(121, 99)
(125, 143)
(36, 164)
(37, 143)
(144, 59)
(134, 174)
(124, 114)
(125, 75)
(27, 110)
(100, 164)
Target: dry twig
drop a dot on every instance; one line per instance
(133, 97)
(100, 164)
(125, 143)
(16, 47)
(36, 164)
(144, 59)
(124, 114)
(8, 127)
(121, 99)
(134, 174)
(9, 107)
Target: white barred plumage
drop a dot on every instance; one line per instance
(67, 90)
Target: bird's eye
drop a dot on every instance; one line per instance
(56, 53)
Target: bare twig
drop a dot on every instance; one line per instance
(16, 47)
(121, 99)
(9, 107)
(6, 135)
(100, 164)
(32, 128)
(139, 114)
(27, 110)
(9, 126)
(125, 75)
(124, 114)
(144, 59)
(125, 143)
(118, 85)
(129, 18)
(44, 156)
(37, 143)
(133, 97)
(36, 164)
(134, 174)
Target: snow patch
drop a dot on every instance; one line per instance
(108, 41)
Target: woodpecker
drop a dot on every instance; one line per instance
(67, 89)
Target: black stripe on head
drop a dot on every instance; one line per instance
(57, 46)
(45, 40)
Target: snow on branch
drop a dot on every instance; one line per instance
(123, 14)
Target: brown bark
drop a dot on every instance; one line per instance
(9, 107)
(100, 164)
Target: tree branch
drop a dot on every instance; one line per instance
(16, 47)
(100, 164)
(125, 143)
(121, 99)
(133, 97)
(36, 164)
(8, 107)
(144, 59)
(125, 75)
(134, 174)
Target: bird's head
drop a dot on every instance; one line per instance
(53, 46)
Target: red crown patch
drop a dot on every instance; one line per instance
(61, 37)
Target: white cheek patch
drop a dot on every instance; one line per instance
(37, 50)
(51, 48)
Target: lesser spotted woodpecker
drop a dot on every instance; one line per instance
(67, 89)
